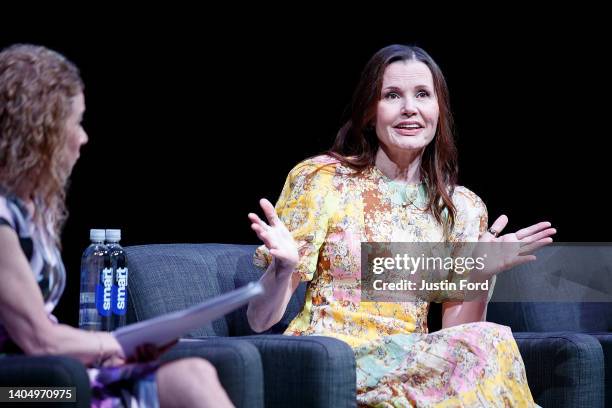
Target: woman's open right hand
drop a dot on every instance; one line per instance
(276, 237)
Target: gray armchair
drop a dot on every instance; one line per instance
(297, 371)
(50, 371)
(565, 367)
(566, 345)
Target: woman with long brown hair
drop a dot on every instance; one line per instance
(41, 108)
(391, 176)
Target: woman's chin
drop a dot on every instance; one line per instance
(409, 143)
(409, 146)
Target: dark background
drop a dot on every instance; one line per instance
(189, 126)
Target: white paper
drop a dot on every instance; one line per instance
(163, 329)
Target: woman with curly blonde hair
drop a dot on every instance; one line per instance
(35, 101)
(41, 108)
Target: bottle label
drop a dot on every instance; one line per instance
(104, 291)
(88, 298)
(120, 291)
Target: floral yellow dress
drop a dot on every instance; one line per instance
(330, 210)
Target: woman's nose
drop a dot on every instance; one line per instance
(408, 107)
(84, 138)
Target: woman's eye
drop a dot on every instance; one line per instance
(392, 95)
(421, 94)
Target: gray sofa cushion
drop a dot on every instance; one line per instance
(237, 362)
(169, 277)
(563, 369)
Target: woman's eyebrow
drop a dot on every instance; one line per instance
(392, 88)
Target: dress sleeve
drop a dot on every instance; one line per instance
(6, 217)
(472, 217)
(470, 223)
(304, 206)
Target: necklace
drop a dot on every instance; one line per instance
(409, 201)
(406, 195)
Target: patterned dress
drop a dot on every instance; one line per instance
(130, 385)
(330, 210)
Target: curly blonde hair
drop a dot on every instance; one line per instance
(36, 90)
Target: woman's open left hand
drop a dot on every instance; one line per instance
(503, 252)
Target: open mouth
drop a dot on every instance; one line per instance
(408, 129)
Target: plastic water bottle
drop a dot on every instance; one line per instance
(119, 264)
(96, 285)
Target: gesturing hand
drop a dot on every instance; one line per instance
(509, 250)
(275, 237)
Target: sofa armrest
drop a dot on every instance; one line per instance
(563, 369)
(308, 371)
(237, 362)
(50, 371)
(605, 339)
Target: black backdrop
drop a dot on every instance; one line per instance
(189, 127)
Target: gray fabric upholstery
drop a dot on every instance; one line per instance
(237, 362)
(564, 369)
(50, 371)
(167, 278)
(578, 271)
(297, 371)
(309, 371)
(605, 340)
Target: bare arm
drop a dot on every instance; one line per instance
(23, 315)
(456, 313)
(265, 311)
(279, 281)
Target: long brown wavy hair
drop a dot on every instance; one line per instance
(36, 90)
(356, 143)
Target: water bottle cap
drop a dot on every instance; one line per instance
(113, 235)
(96, 234)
